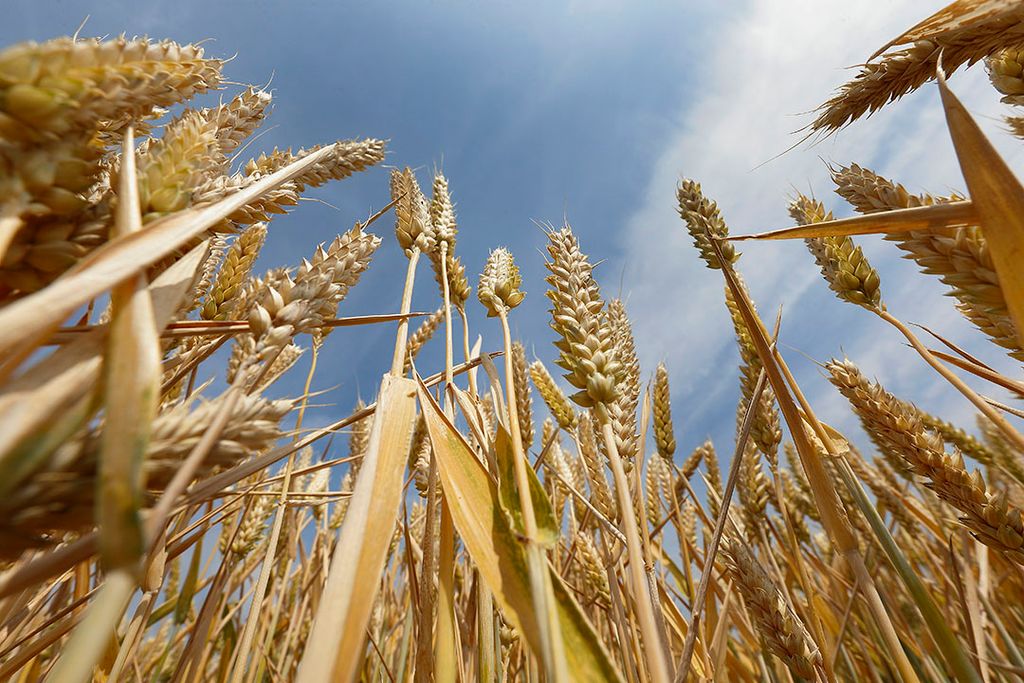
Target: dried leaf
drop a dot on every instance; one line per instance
(499, 554)
(948, 215)
(998, 198)
(339, 630)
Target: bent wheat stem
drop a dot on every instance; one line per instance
(981, 404)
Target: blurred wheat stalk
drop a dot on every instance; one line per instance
(154, 530)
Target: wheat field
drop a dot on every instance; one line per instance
(493, 518)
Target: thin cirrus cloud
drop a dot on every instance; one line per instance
(770, 64)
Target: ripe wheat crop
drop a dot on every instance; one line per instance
(494, 518)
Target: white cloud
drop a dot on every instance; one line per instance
(768, 63)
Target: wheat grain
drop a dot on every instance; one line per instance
(842, 263)
(960, 34)
(652, 485)
(753, 488)
(554, 399)
(781, 628)
(704, 222)
(412, 219)
(1006, 71)
(959, 256)
(664, 433)
(600, 492)
(63, 85)
(59, 498)
(586, 347)
(622, 412)
(694, 460)
(765, 429)
(499, 284)
(899, 430)
(222, 301)
(594, 576)
(524, 402)
(239, 118)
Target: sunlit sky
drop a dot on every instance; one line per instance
(590, 112)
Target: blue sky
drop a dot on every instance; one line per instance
(592, 111)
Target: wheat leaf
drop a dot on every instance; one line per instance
(499, 553)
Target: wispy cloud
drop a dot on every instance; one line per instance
(769, 63)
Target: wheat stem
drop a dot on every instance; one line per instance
(398, 359)
(981, 404)
(552, 656)
(683, 669)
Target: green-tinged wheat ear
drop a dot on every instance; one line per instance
(703, 217)
(498, 289)
(56, 177)
(554, 399)
(172, 167)
(193, 149)
(524, 401)
(842, 263)
(661, 408)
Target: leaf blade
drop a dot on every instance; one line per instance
(339, 629)
(499, 555)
